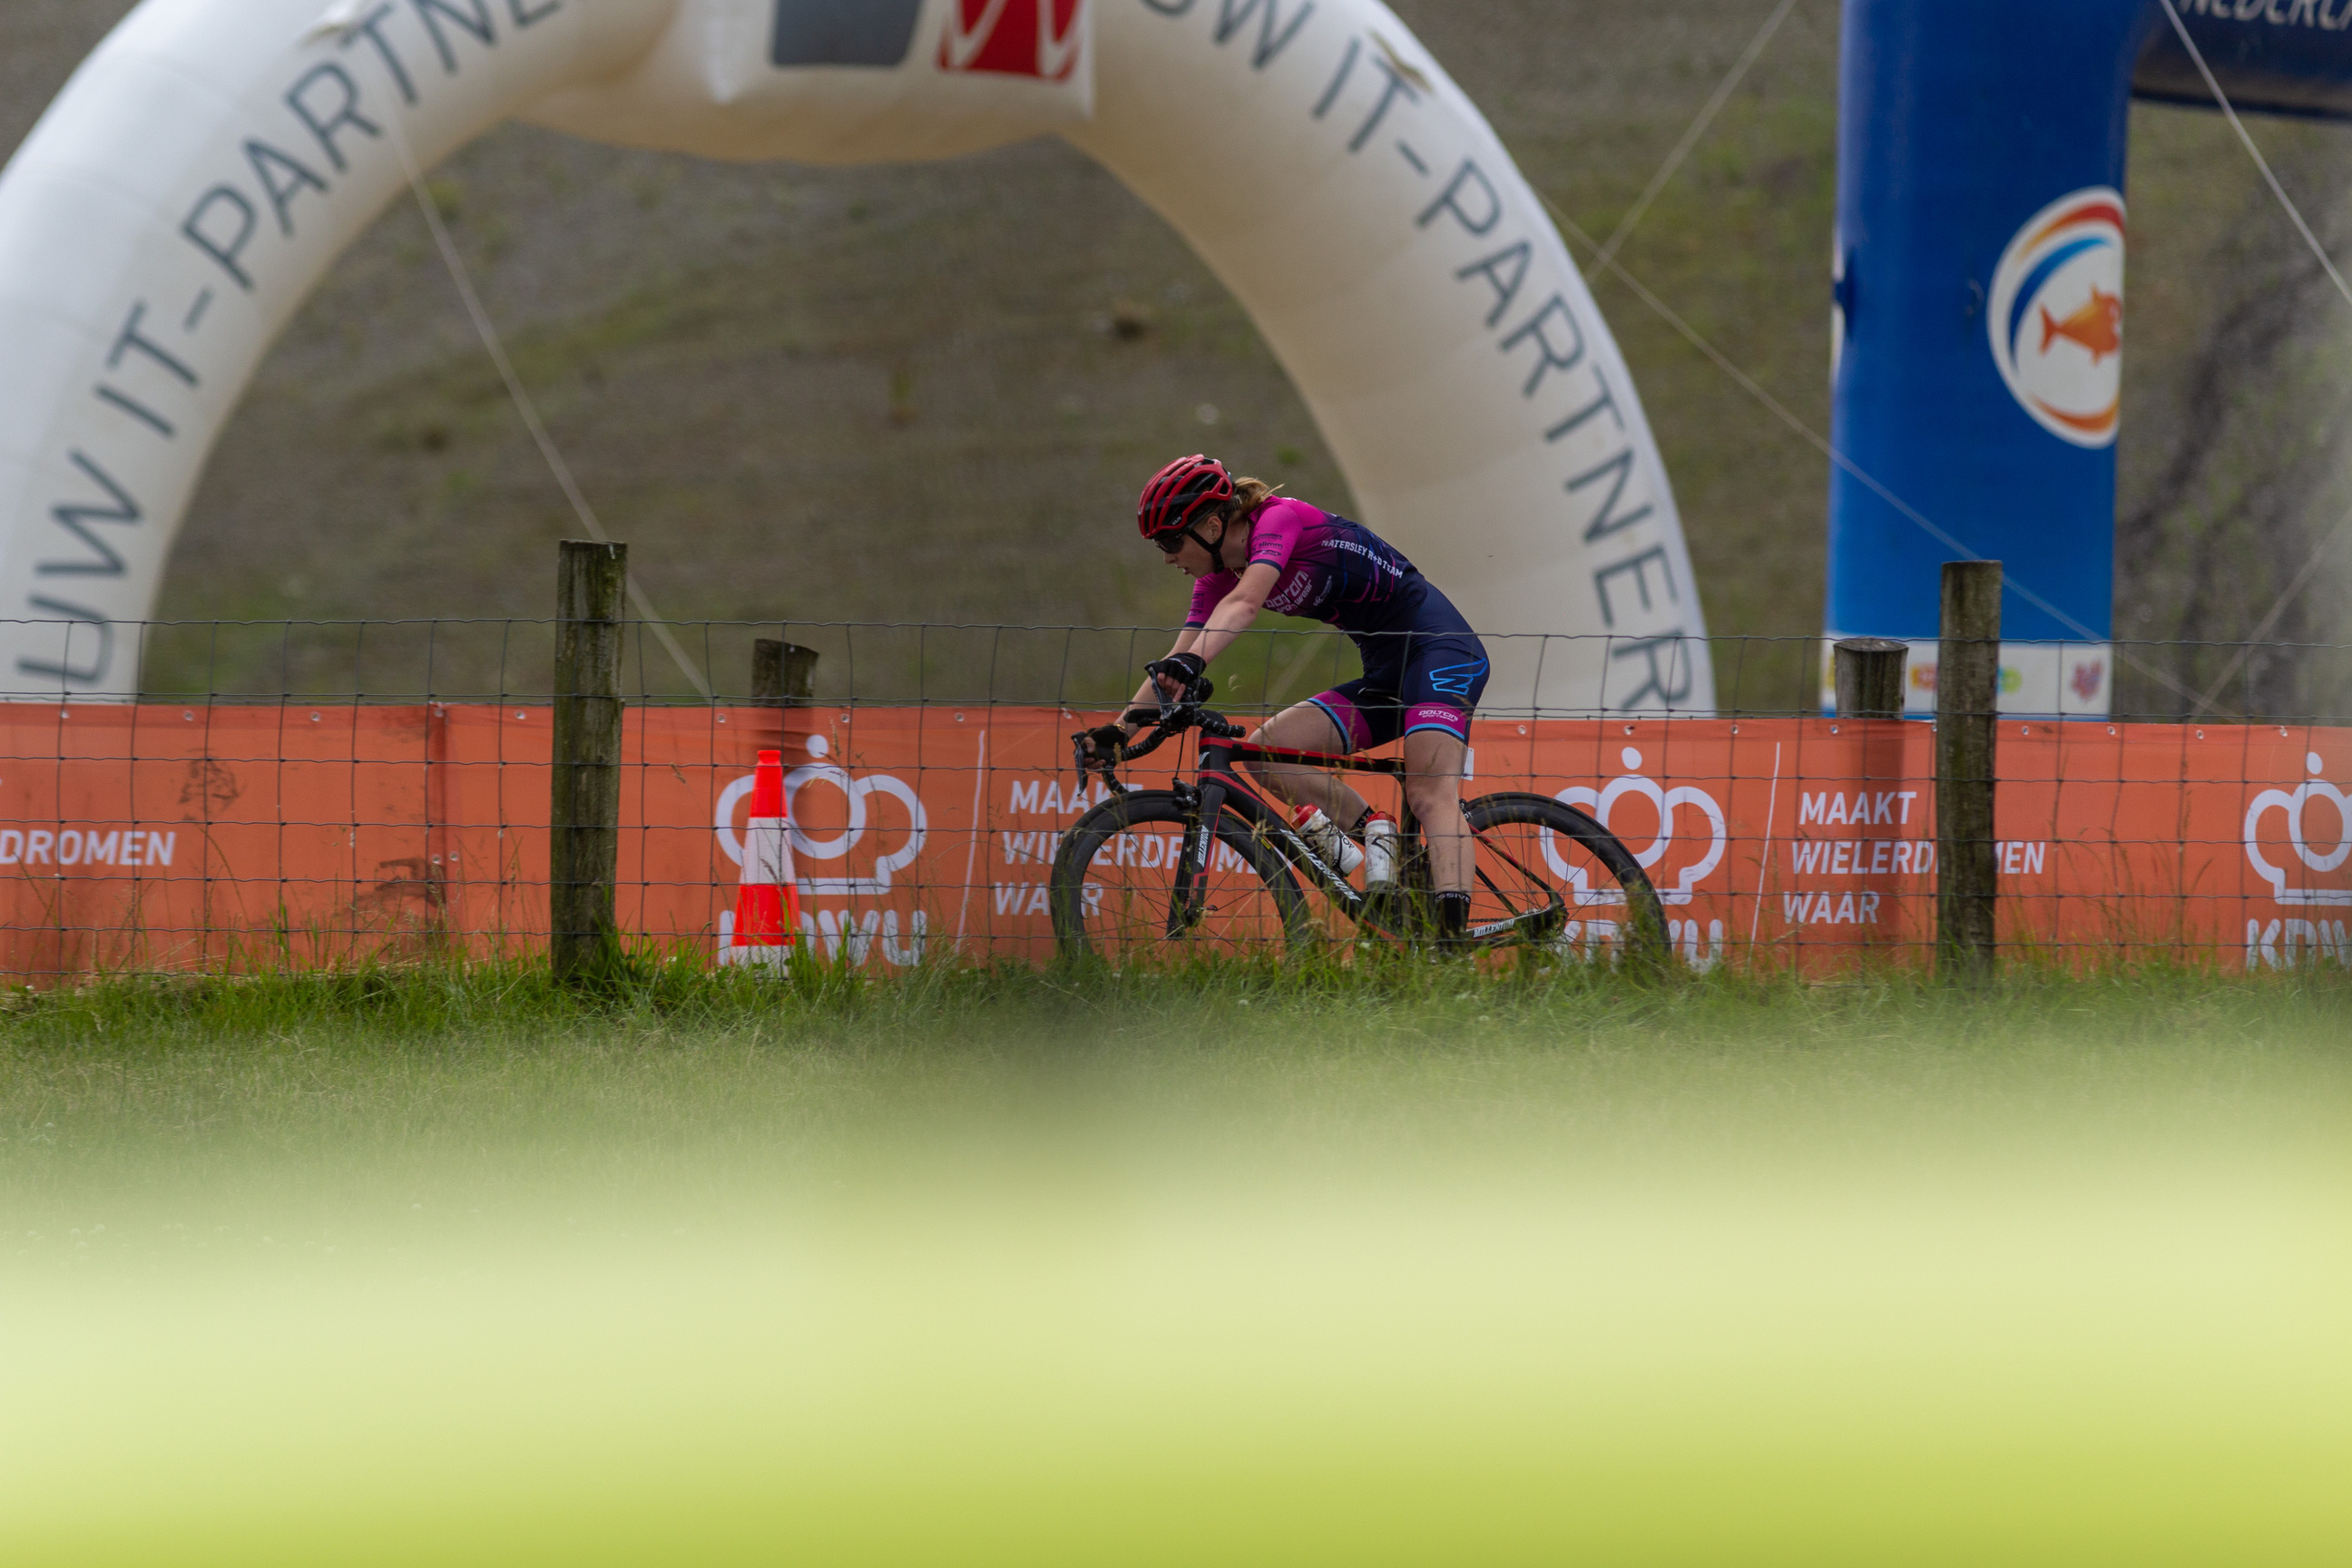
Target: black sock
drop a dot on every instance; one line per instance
(1453, 913)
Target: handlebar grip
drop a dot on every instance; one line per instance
(1098, 750)
(1144, 747)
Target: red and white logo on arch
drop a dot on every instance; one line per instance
(2055, 314)
(1038, 38)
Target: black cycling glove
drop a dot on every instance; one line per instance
(1104, 742)
(1186, 669)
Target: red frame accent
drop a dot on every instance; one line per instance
(1242, 751)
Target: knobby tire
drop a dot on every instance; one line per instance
(1290, 921)
(1643, 938)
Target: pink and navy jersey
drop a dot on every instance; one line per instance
(1333, 571)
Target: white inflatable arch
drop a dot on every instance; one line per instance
(210, 161)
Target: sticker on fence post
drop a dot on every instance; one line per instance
(767, 918)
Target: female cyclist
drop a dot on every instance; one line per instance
(1425, 669)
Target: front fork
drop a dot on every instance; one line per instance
(1185, 904)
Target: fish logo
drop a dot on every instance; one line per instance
(2097, 326)
(1037, 38)
(2055, 316)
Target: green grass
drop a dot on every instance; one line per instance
(1253, 1264)
(656, 998)
(148, 1056)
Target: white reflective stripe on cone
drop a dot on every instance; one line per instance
(767, 852)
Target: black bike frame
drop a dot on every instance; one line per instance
(1222, 786)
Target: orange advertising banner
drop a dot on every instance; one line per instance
(153, 837)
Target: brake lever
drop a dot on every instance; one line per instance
(1196, 691)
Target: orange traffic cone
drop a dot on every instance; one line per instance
(768, 901)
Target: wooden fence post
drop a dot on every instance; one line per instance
(584, 817)
(784, 675)
(1968, 695)
(1870, 677)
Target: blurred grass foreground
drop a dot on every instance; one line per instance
(1225, 1267)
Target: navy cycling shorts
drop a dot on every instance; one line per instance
(1410, 683)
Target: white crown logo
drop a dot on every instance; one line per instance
(837, 847)
(1602, 802)
(2312, 857)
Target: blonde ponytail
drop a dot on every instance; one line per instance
(1248, 496)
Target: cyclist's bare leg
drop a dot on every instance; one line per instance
(1306, 728)
(1432, 783)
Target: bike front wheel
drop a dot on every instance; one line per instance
(1548, 875)
(1115, 887)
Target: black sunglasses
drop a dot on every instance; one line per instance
(1172, 540)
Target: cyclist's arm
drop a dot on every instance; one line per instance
(1236, 612)
(1233, 615)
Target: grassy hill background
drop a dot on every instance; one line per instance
(904, 393)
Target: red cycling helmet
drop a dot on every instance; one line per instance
(1180, 492)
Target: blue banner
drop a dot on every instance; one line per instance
(1981, 231)
(2277, 57)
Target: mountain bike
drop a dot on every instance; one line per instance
(1211, 868)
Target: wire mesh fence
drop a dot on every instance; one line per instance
(463, 660)
(294, 794)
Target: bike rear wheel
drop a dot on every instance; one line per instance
(1548, 875)
(1115, 886)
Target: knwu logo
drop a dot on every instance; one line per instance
(2295, 804)
(1600, 803)
(805, 849)
(2055, 313)
(2281, 943)
(1037, 38)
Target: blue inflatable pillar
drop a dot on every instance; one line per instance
(1979, 291)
